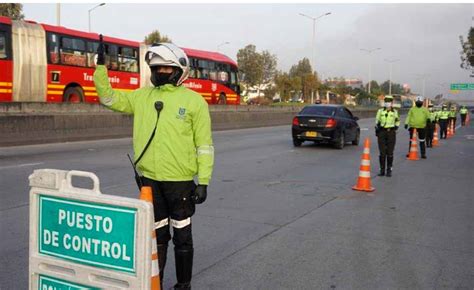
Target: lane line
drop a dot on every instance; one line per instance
(20, 165)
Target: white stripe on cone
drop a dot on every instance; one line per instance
(363, 173)
(365, 162)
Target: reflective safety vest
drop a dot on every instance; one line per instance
(387, 119)
(463, 111)
(452, 114)
(443, 115)
(433, 116)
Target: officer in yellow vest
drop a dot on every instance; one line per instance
(463, 112)
(387, 123)
(443, 118)
(431, 126)
(452, 117)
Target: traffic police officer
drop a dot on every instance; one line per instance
(181, 148)
(417, 119)
(431, 126)
(463, 112)
(443, 118)
(387, 123)
(452, 117)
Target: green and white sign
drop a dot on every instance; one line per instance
(462, 87)
(50, 283)
(88, 233)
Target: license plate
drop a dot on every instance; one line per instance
(311, 134)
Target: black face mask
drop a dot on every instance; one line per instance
(159, 78)
(418, 104)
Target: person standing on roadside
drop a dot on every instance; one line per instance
(387, 123)
(172, 142)
(416, 119)
(463, 112)
(431, 126)
(443, 118)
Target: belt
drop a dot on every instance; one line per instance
(388, 129)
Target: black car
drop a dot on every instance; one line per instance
(326, 123)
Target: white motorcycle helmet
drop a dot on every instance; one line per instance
(168, 54)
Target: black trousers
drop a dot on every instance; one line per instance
(386, 140)
(463, 119)
(443, 131)
(430, 127)
(172, 204)
(421, 139)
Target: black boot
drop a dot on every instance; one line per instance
(389, 165)
(382, 165)
(162, 253)
(423, 150)
(184, 268)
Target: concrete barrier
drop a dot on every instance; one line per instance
(36, 123)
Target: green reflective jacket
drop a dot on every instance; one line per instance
(387, 119)
(417, 117)
(443, 115)
(463, 111)
(182, 147)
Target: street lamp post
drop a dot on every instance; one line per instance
(390, 74)
(224, 43)
(90, 10)
(370, 63)
(313, 41)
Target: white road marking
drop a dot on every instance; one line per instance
(364, 129)
(20, 165)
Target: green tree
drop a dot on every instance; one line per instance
(156, 37)
(251, 65)
(12, 10)
(308, 78)
(396, 88)
(269, 66)
(467, 53)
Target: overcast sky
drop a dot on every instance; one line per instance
(425, 37)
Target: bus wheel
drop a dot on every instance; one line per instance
(222, 99)
(73, 95)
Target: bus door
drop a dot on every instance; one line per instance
(6, 63)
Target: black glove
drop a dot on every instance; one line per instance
(396, 128)
(200, 194)
(101, 51)
(406, 126)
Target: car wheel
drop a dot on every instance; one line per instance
(356, 140)
(340, 142)
(297, 143)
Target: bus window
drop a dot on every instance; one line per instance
(73, 51)
(213, 75)
(223, 76)
(53, 47)
(128, 59)
(3, 45)
(203, 69)
(192, 72)
(111, 56)
(233, 78)
(91, 52)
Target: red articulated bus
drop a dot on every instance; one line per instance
(45, 63)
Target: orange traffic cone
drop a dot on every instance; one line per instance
(363, 182)
(146, 195)
(413, 154)
(450, 129)
(435, 142)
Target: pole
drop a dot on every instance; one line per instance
(370, 70)
(89, 19)
(390, 81)
(58, 14)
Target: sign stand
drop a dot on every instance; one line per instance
(83, 239)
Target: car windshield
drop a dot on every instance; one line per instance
(319, 110)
